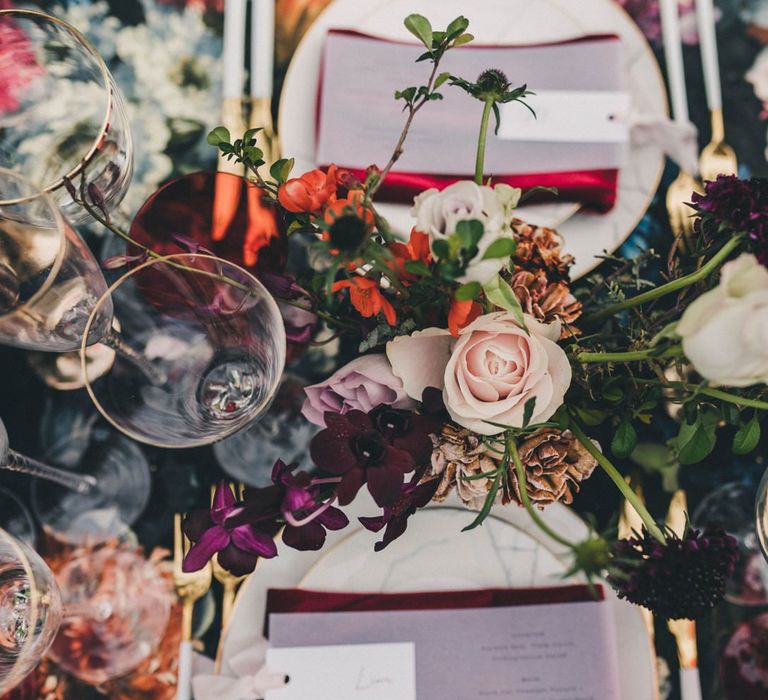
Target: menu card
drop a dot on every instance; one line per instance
(548, 652)
(578, 143)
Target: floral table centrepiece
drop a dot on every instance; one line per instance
(482, 368)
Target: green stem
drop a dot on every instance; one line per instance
(523, 486)
(713, 394)
(481, 141)
(618, 479)
(670, 287)
(631, 356)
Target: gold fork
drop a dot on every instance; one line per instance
(189, 587)
(717, 158)
(684, 631)
(680, 214)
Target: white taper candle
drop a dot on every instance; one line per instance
(705, 16)
(234, 47)
(262, 47)
(673, 52)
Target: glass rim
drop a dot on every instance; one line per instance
(38, 16)
(17, 548)
(61, 228)
(252, 279)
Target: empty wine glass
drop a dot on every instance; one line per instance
(30, 610)
(212, 330)
(730, 508)
(105, 615)
(98, 502)
(15, 517)
(61, 115)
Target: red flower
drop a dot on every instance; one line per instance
(310, 193)
(462, 313)
(367, 298)
(417, 249)
(349, 221)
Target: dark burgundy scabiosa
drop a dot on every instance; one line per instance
(413, 495)
(684, 578)
(352, 447)
(739, 205)
(220, 530)
(306, 517)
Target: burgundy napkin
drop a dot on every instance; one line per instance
(296, 600)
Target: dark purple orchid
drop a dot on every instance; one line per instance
(353, 448)
(220, 530)
(413, 495)
(306, 517)
(407, 430)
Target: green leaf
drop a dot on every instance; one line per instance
(501, 248)
(624, 439)
(468, 291)
(408, 94)
(501, 294)
(489, 501)
(417, 267)
(419, 26)
(219, 135)
(747, 437)
(696, 440)
(591, 416)
(281, 169)
(528, 409)
(457, 27)
(441, 248)
(250, 135)
(470, 232)
(464, 39)
(528, 194)
(442, 79)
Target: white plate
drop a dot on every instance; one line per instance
(499, 21)
(508, 551)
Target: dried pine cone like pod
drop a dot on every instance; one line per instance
(546, 301)
(555, 465)
(540, 248)
(459, 453)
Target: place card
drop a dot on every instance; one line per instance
(565, 651)
(345, 672)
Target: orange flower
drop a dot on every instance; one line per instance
(309, 193)
(462, 313)
(367, 298)
(353, 203)
(417, 248)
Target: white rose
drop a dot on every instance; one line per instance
(725, 331)
(437, 213)
(489, 373)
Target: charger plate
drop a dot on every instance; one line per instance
(507, 551)
(500, 21)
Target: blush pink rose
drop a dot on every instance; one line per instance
(490, 372)
(363, 384)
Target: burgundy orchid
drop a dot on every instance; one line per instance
(407, 430)
(352, 447)
(219, 530)
(413, 495)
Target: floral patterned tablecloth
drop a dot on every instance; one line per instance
(165, 55)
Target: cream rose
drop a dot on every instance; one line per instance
(489, 373)
(725, 330)
(437, 213)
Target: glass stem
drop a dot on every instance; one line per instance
(26, 465)
(115, 341)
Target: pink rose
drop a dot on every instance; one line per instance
(490, 372)
(363, 384)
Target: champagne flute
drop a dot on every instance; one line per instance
(62, 116)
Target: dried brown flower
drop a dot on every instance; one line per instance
(540, 248)
(555, 464)
(546, 301)
(459, 454)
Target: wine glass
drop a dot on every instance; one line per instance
(94, 504)
(211, 329)
(761, 514)
(30, 610)
(105, 615)
(61, 114)
(730, 508)
(15, 517)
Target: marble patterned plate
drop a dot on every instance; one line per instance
(509, 550)
(500, 21)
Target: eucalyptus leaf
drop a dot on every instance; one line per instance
(502, 295)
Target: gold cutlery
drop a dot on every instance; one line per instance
(717, 158)
(680, 214)
(189, 587)
(684, 631)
